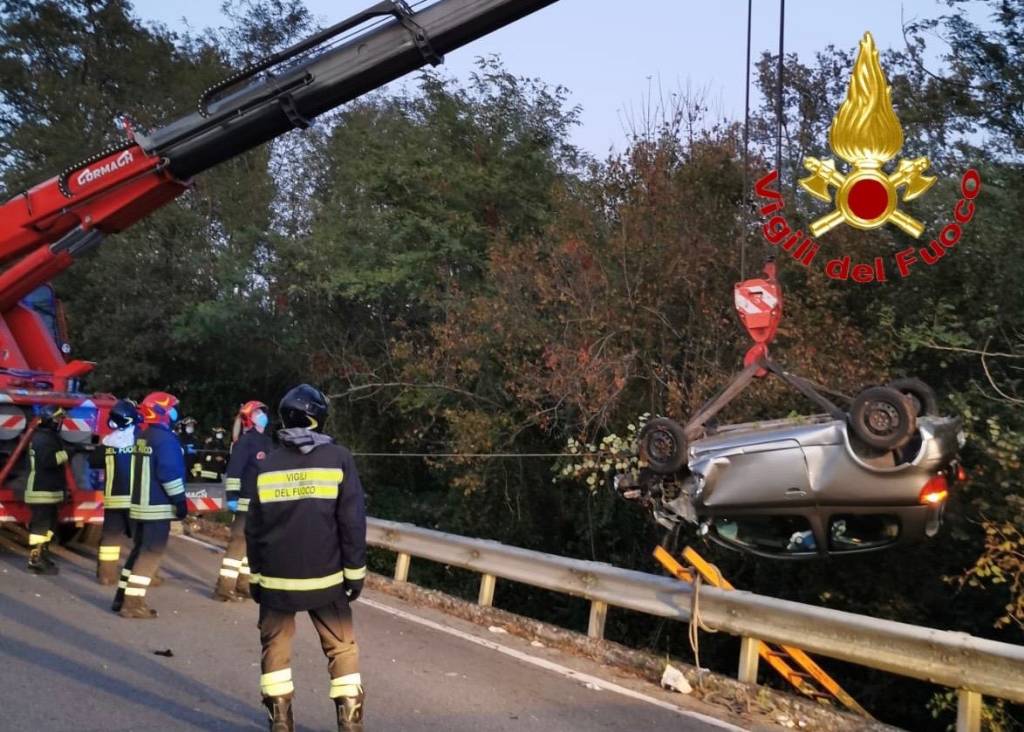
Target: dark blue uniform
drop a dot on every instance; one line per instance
(306, 535)
(158, 496)
(252, 447)
(115, 453)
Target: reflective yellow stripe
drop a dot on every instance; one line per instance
(44, 496)
(232, 563)
(233, 484)
(36, 539)
(243, 504)
(208, 474)
(108, 489)
(117, 503)
(109, 553)
(62, 457)
(135, 591)
(347, 685)
(290, 485)
(174, 487)
(301, 585)
(138, 579)
(277, 683)
(152, 513)
(355, 574)
(277, 478)
(298, 492)
(347, 679)
(229, 573)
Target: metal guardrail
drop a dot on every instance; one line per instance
(973, 666)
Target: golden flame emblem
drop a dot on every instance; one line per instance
(866, 134)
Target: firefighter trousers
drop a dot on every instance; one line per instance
(234, 567)
(42, 523)
(333, 624)
(144, 561)
(116, 532)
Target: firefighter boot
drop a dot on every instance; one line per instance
(242, 588)
(225, 591)
(135, 608)
(36, 565)
(279, 711)
(107, 573)
(350, 712)
(48, 559)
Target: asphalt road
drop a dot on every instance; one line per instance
(68, 663)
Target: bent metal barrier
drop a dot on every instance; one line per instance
(973, 666)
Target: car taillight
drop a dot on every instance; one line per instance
(961, 474)
(935, 490)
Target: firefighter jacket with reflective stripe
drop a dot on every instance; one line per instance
(47, 477)
(306, 530)
(158, 474)
(114, 457)
(240, 484)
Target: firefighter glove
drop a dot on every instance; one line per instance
(233, 505)
(181, 509)
(353, 588)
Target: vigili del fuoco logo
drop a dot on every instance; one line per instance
(867, 135)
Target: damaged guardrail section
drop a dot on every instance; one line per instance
(974, 666)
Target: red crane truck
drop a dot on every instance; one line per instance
(45, 229)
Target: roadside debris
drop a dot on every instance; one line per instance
(496, 629)
(168, 653)
(673, 679)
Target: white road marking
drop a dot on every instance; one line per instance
(526, 657)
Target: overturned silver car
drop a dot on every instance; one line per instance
(805, 487)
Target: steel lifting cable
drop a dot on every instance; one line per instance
(746, 151)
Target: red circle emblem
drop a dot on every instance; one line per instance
(868, 199)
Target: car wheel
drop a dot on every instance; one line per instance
(922, 397)
(883, 418)
(663, 446)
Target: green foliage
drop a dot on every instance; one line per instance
(461, 279)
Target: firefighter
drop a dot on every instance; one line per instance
(216, 448)
(46, 488)
(253, 446)
(158, 497)
(116, 460)
(190, 444)
(306, 539)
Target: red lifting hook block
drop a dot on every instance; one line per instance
(759, 304)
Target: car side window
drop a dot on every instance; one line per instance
(855, 532)
(783, 535)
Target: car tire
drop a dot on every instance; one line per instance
(663, 446)
(923, 398)
(883, 418)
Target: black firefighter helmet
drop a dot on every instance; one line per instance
(51, 416)
(304, 406)
(123, 414)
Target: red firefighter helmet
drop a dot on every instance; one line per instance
(159, 407)
(248, 412)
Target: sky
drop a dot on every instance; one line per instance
(611, 53)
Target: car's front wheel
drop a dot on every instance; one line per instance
(883, 418)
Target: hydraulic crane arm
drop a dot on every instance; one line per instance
(47, 227)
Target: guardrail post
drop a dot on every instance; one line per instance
(749, 658)
(486, 598)
(598, 614)
(968, 711)
(402, 567)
